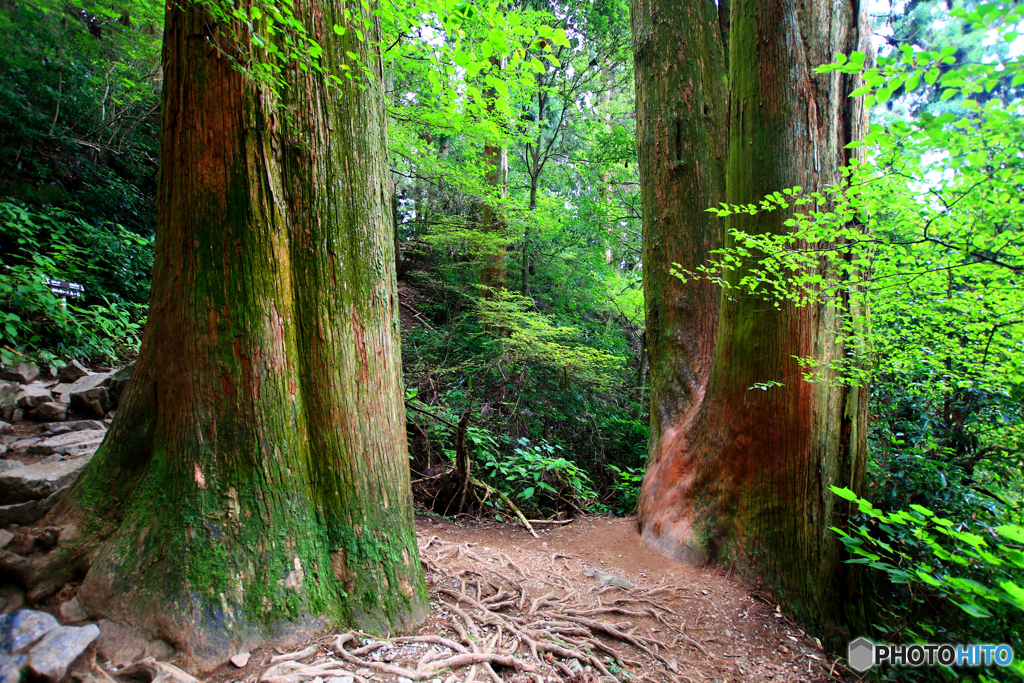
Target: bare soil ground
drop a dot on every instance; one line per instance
(585, 602)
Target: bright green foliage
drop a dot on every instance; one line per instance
(111, 262)
(553, 358)
(936, 565)
(572, 415)
(542, 478)
(530, 337)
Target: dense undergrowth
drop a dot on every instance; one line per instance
(553, 407)
(79, 115)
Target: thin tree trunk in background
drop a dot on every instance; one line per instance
(494, 271)
(745, 482)
(534, 157)
(254, 484)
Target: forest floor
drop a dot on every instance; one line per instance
(578, 596)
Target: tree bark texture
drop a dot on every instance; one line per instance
(254, 484)
(742, 477)
(682, 147)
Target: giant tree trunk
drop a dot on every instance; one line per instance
(744, 478)
(681, 143)
(254, 483)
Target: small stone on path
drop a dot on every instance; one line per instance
(607, 579)
(240, 660)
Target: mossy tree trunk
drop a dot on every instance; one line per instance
(737, 473)
(682, 147)
(254, 483)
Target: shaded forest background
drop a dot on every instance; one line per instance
(518, 248)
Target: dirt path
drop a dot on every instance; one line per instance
(748, 639)
(584, 603)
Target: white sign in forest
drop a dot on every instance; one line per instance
(65, 288)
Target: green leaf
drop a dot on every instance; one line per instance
(844, 493)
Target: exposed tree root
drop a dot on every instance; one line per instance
(502, 630)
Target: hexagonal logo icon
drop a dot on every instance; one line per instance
(861, 654)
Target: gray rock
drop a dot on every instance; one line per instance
(10, 668)
(35, 482)
(31, 396)
(71, 611)
(10, 464)
(23, 372)
(51, 656)
(99, 379)
(8, 400)
(94, 401)
(606, 579)
(20, 630)
(5, 538)
(61, 391)
(68, 443)
(122, 644)
(21, 514)
(72, 372)
(22, 445)
(73, 426)
(18, 415)
(13, 598)
(81, 451)
(6, 428)
(118, 382)
(52, 499)
(48, 412)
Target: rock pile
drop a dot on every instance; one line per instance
(49, 430)
(74, 413)
(36, 642)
